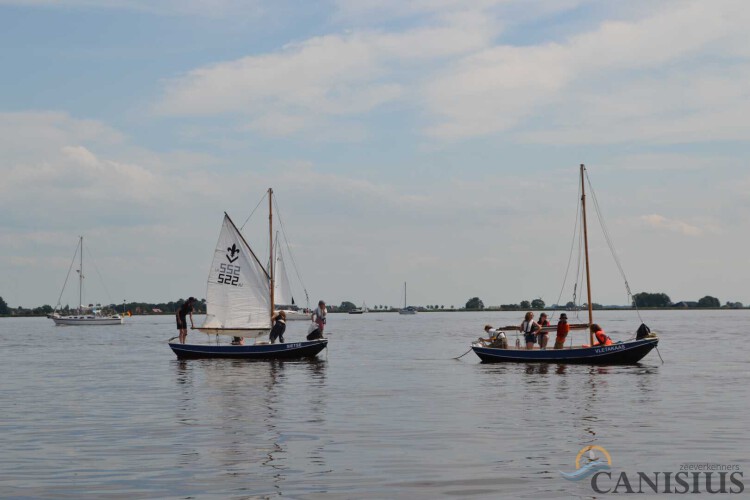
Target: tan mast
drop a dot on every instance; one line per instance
(270, 246)
(586, 251)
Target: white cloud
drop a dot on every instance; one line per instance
(660, 222)
(589, 88)
(330, 76)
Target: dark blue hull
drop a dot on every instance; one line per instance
(623, 353)
(290, 350)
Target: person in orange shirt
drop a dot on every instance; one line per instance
(601, 337)
(563, 328)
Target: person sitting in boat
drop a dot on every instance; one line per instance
(495, 337)
(238, 341)
(529, 327)
(182, 313)
(601, 337)
(319, 316)
(563, 328)
(543, 337)
(279, 327)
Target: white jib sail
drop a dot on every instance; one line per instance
(237, 295)
(282, 292)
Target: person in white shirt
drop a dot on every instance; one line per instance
(495, 337)
(319, 316)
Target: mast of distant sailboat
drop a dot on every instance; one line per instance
(80, 278)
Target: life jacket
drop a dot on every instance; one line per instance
(602, 338)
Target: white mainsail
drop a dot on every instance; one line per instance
(238, 293)
(282, 291)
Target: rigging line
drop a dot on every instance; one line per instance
(464, 354)
(579, 274)
(611, 246)
(289, 249)
(59, 299)
(101, 280)
(254, 209)
(572, 246)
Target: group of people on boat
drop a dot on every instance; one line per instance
(534, 333)
(278, 328)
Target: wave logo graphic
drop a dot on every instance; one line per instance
(594, 459)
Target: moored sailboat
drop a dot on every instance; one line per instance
(407, 309)
(630, 351)
(92, 315)
(240, 303)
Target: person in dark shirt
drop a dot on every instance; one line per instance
(182, 313)
(543, 337)
(279, 327)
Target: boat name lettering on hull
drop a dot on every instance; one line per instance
(293, 346)
(609, 349)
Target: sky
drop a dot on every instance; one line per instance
(434, 142)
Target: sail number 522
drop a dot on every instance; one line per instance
(229, 274)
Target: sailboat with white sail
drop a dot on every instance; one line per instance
(240, 302)
(283, 290)
(84, 315)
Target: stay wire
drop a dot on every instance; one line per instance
(59, 299)
(572, 246)
(254, 209)
(611, 246)
(101, 280)
(289, 250)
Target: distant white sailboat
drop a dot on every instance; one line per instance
(283, 290)
(407, 309)
(359, 310)
(85, 315)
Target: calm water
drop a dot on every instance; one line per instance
(109, 412)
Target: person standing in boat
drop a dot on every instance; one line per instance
(602, 338)
(279, 327)
(319, 316)
(529, 327)
(563, 328)
(182, 313)
(543, 337)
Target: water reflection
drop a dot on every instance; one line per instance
(251, 405)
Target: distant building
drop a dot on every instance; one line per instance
(686, 304)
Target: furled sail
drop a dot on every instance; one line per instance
(238, 292)
(282, 292)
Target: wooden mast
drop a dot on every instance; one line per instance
(270, 246)
(586, 251)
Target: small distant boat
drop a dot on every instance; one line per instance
(407, 309)
(359, 310)
(91, 315)
(240, 303)
(627, 352)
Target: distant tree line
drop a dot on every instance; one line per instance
(131, 307)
